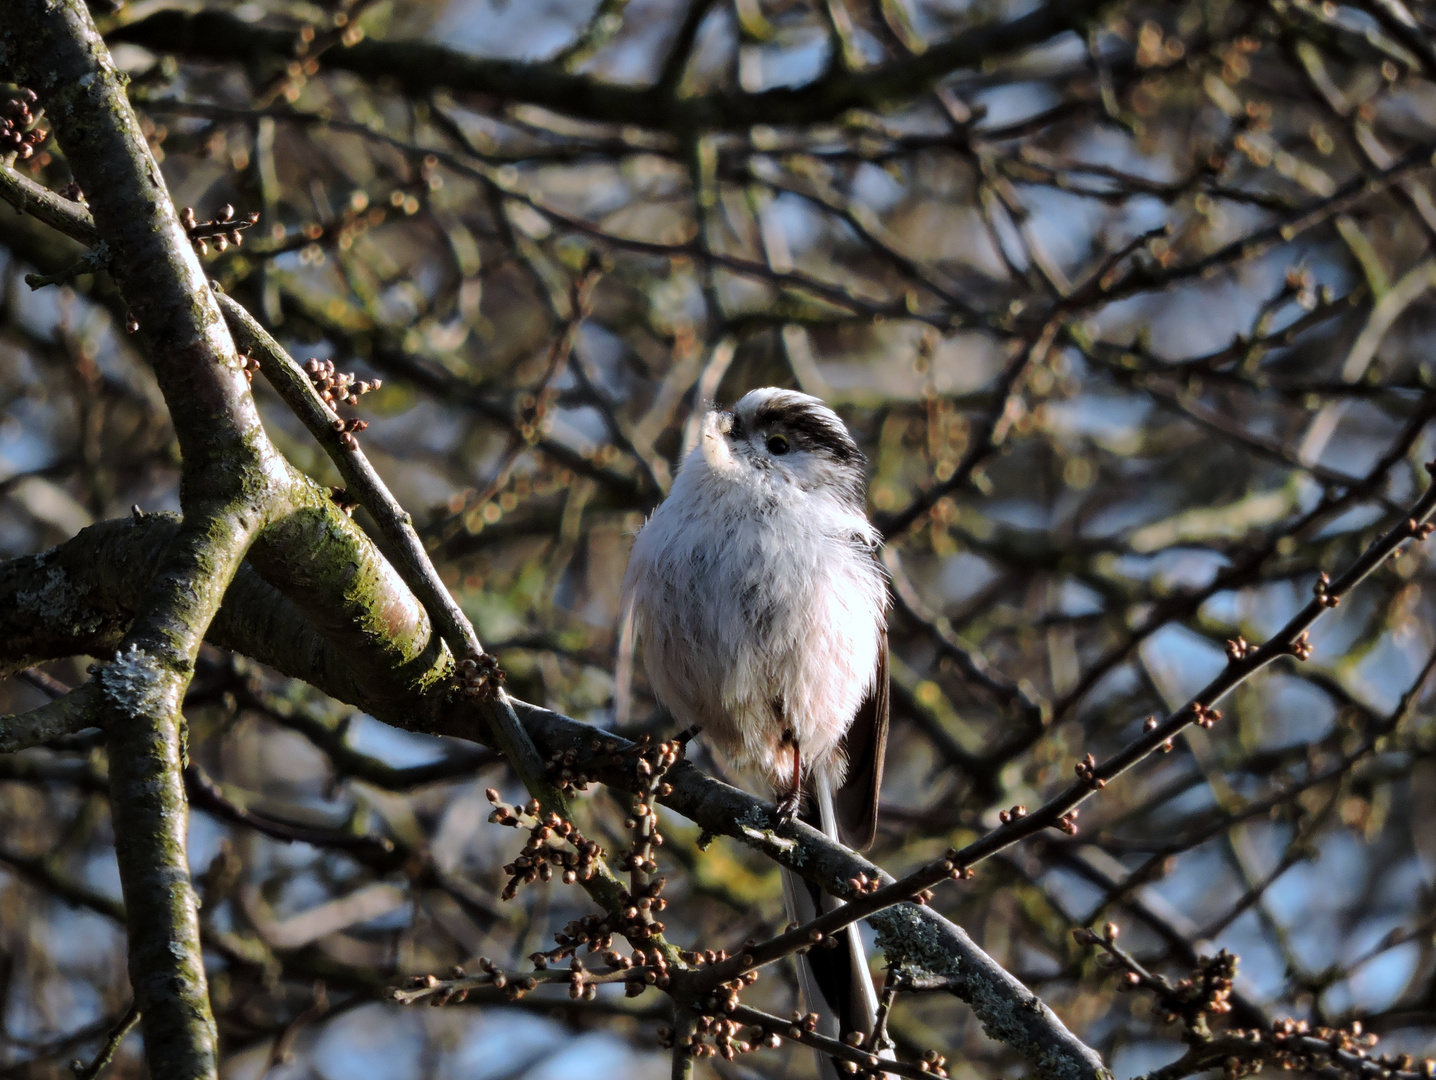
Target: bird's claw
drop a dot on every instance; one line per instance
(788, 807)
(684, 737)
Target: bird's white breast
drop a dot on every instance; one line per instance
(748, 595)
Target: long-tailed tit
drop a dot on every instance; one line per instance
(761, 606)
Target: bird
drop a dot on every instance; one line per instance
(757, 595)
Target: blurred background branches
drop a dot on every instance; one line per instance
(1130, 306)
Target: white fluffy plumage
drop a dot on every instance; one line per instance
(757, 596)
(761, 606)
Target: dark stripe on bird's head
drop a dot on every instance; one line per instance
(814, 426)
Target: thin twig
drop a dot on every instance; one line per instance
(112, 1043)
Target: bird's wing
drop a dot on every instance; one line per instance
(865, 743)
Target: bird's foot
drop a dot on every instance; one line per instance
(788, 806)
(684, 737)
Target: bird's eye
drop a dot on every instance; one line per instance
(777, 444)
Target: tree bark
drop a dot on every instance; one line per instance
(231, 481)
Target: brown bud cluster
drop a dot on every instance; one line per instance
(803, 1024)
(455, 989)
(654, 759)
(1017, 813)
(638, 908)
(337, 387)
(650, 762)
(553, 845)
(1205, 716)
(1301, 647)
(725, 1035)
(867, 1064)
(656, 963)
(935, 1063)
(864, 884)
(575, 768)
(347, 429)
(644, 968)
(955, 869)
(1067, 823)
(699, 957)
(727, 1043)
(221, 231)
(1295, 1045)
(18, 135)
(1238, 648)
(642, 823)
(1320, 591)
(724, 998)
(1419, 530)
(1207, 991)
(562, 770)
(579, 987)
(478, 677)
(249, 364)
(1086, 771)
(592, 932)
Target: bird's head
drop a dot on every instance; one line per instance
(785, 438)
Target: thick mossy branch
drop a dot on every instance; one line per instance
(362, 482)
(141, 691)
(421, 67)
(334, 573)
(80, 597)
(362, 580)
(57, 604)
(75, 711)
(347, 590)
(233, 481)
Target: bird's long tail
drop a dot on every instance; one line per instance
(835, 982)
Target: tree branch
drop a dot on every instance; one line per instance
(914, 937)
(232, 480)
(73, 712)
(422, 67)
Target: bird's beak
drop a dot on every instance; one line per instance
(717, 426)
